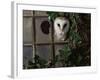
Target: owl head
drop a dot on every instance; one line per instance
(61, 27)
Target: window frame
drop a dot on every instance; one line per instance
(52, 43)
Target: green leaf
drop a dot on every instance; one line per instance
(65, 52)
(52, 15)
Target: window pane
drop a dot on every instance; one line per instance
(44, 52)
(27, 55)
(40, 13)
(58, 47)
(60, 57)
(27, 13)
(43, 30)
(27, 30)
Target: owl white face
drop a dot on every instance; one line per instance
(61, 27)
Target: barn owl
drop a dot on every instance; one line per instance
(61, 27)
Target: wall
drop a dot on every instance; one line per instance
(5, 40)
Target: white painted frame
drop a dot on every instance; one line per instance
(17, 42)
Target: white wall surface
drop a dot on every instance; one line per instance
(5, 38)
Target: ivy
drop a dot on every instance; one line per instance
(52, 15)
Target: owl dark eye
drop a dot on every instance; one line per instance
(64, 25)
(58, 25)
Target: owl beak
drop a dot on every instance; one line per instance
(61, 33)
